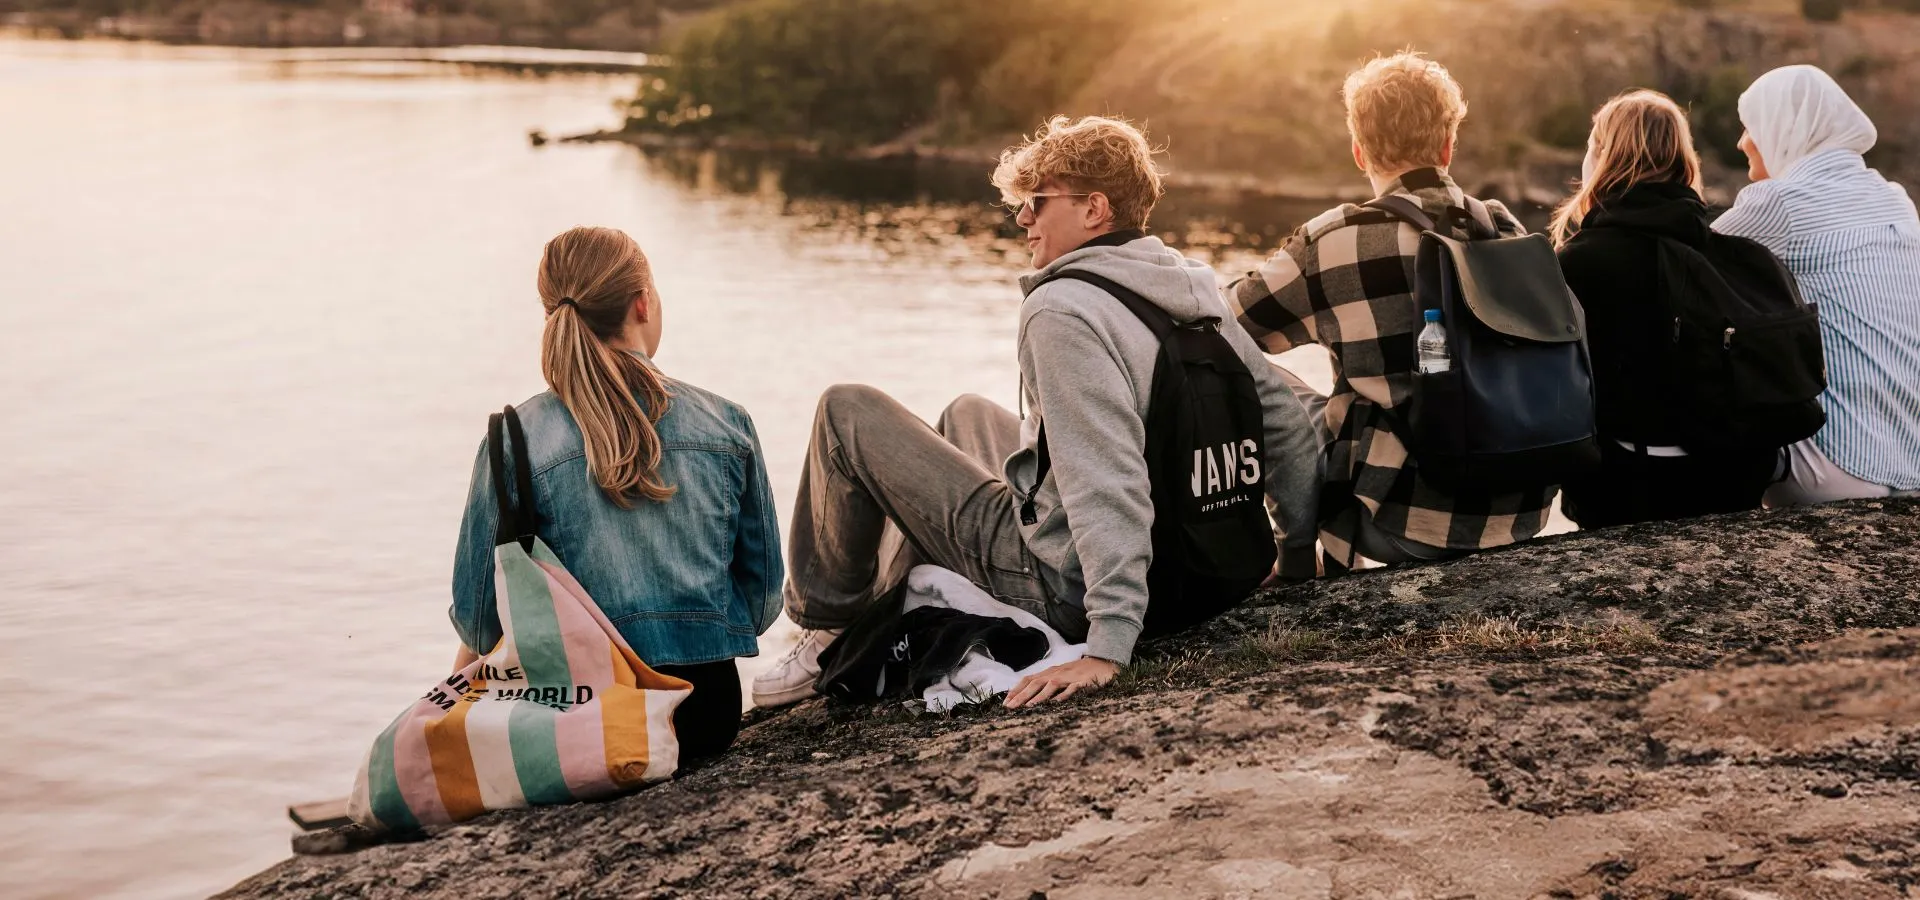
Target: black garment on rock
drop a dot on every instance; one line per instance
(899, 655)
(1629, 488)
(709, 719)
(1613, 267)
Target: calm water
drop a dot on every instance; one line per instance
(253, 316)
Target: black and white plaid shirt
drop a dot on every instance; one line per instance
(1345, 281)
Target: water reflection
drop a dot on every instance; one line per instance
(904, 205)
(278, 302)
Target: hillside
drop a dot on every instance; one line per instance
(1721, 708)
(1239, 84)
(1247, 91)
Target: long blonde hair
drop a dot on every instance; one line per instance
(1639, 136)
(589, 278)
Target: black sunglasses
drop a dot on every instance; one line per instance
(1036, 202)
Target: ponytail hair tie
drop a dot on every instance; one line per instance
(565, 301)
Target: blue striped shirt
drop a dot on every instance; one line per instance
(1852, 239)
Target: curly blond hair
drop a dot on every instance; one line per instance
(1404, 110)
(1094, 154)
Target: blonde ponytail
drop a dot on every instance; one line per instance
(589, 278)
(1638, 136)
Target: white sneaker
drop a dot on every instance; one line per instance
(792, 677)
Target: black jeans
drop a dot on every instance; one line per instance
(1629, 488)
(709, 719)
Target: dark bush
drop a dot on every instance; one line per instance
(1565, 126)
(1713, 106)
(1822, 10)
(864, 70)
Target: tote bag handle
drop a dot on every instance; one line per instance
(518, 521)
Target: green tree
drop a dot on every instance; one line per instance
(1713, 105)
(863, 70)
(1822, 10)
(1565, 126)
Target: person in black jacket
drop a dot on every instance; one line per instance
(1641, 184)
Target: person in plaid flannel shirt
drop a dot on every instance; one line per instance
(1344, 281)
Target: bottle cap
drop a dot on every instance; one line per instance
(1432, 315)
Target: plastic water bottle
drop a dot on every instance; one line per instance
(1434, 357)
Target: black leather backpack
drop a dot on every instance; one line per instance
(1516, 410)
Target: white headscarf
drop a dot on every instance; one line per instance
(1797, 111)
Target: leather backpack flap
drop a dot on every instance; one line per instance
(1514, 286)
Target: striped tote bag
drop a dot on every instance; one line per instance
(560, 710)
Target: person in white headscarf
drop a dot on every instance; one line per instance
(1797, 112)
(1852, 240)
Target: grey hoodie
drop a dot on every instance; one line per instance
(1086, 367)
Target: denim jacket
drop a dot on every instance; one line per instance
(692, 580)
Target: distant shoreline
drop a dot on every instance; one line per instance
(254, 25)
(502, 57)
(1303, 189)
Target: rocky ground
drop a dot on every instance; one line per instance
(1724, 708)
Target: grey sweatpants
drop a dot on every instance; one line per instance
(881, 492)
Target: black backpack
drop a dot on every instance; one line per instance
(1516, 410)
(1744, 354)
(1206, 457)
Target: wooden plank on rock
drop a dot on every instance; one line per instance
(322, 814)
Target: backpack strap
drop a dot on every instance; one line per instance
(1475, 219)
(1157, 321)
(518, 520)
(1403, 209)
(1479, 215)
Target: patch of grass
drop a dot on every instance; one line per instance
(1625, 637)
(1281, 644)
(1285, 643)
(1484, 635)
(1164, 670)
(1509, 635)
(1175, 666)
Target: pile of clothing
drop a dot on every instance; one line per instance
(943, 640)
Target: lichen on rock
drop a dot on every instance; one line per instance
(1716, 707)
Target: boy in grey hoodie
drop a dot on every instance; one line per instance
(882, 492)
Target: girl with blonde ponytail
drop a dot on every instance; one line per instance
(601, 314)
(651, 491)
(1640, 190)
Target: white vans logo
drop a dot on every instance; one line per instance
(1225, 468)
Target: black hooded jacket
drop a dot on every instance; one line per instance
(1612, 266)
